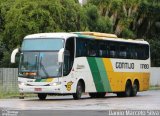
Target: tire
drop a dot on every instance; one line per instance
(134, 89)
(128, 89)
(79, 91)
(42, 96)
(127, 92)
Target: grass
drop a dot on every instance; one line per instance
(10, 95)
(154, 87)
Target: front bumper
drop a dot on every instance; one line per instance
(40, 89)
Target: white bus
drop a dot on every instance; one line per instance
(73, 63)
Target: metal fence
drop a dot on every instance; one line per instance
(8, 79)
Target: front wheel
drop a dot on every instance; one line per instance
(79, 91)
(42, 96)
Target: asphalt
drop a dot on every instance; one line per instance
(65, 105)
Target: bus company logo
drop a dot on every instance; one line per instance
(68, 86)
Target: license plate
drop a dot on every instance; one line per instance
(37, 89)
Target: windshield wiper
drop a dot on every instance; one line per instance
(43, 68)
(36, 65)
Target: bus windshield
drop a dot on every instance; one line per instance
(39, 58)
(42, 44)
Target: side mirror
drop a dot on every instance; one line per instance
(13, 55)
(61, 55)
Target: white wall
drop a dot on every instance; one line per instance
(155, 76)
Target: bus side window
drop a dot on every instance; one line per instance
(140, 52)
(103, 53)
(81, 47)
(132, 52)
(146, 50)
(122, 52)
(102, 49)
(91, 48)
(112, 53)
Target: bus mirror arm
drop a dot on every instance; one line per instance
(61, 55)
(13, 55)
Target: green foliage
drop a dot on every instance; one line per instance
(126, 18)
(92, 17)
(96, 22)
(126, 33)
(132, 19)
(104, 25)
(22, 17)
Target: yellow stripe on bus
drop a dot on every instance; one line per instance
(49, 80)
(118, 79)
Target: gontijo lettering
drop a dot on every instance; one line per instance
(124, 65)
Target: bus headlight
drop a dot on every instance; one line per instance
(21, 83)
(55, 84)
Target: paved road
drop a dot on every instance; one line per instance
(148, 100)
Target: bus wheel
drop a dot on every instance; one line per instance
(93, 95)
(134, 89)
(42, 96)
(79, 91)
(128, 89)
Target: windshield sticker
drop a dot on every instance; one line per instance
(68, 86)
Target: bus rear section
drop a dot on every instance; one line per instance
(114, 65)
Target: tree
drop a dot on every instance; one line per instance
(130, 19)
(25, 17)
(126, 18)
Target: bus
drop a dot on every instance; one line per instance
(74, 63)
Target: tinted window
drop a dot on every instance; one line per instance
(111, 49)
(103, 49)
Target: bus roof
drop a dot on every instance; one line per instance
(97, 34)
(90, 35)
(51, 35)
(106, 36)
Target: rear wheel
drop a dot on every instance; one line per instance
(127, 92)
(134, 89)
(128, 89)
(79, 91)
(42, 96)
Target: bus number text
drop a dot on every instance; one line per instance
(144, 66)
